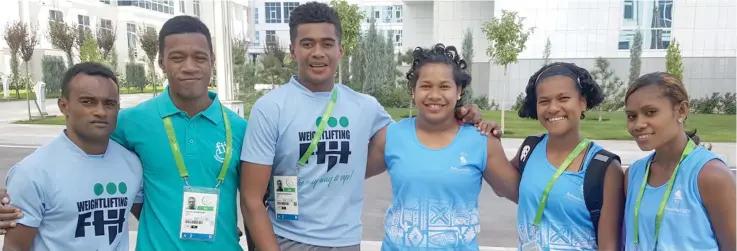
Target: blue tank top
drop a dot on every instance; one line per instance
(566, 224)
(684, 208)
(435, 192)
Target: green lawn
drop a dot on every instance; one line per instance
(712, 128)
(23, 94)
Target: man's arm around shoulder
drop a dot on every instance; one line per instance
(20, 238)
(25, 183)
(257, 156)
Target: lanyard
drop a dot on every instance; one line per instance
(563, 166)
(320, 128)
(659, 216)
(178, 154)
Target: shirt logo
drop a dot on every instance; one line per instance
(462, 164)
(104, 215)
(335, 142)
(220, 152)
(523, 154)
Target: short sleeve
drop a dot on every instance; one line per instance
(259, 142)
(119, 133)
(26, 193)
(381, 119)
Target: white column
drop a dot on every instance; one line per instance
(6, 93)
(223, 57)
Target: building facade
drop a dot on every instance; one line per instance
(580, 31)
(443, 21)
(125, 18)
(271, 21)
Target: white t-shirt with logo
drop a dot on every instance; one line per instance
(77, 201)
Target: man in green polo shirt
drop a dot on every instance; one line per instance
(189, 145)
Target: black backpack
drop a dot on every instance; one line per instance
(593, 182)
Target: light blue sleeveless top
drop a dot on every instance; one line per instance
(685, 225)
(566, 224)
(434, 192)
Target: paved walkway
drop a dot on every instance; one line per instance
(11, 111)
(365, 245)
(17, 135)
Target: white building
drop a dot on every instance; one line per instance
(127, 18)
(582, 30)
(271, 20)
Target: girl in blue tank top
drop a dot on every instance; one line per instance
(435, 163)
(552, 213)
(682, 196)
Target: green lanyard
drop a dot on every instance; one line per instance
(320, 128)
(690, 146)
(562, 168)
(178, 154)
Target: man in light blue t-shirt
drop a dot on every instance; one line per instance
(319, 207)
(76, 192)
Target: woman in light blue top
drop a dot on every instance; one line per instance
(682, 196)
(435, 162)
(554, 210)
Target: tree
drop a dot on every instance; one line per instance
(467, 48)
(635, 54)
(673, 61)
(507, 37)
(274, 72)
(149, 40)
(372, 54)
(612, 86)
(63, 37)
(278, 67)
(106, 40)
(357, 66)
(26, 49)
(406, 57)
(274, 48)
(546, 52)
(391, 62)
(239, 47)
(14, 35)
(351, 17)
(89, 51)
(467, 53)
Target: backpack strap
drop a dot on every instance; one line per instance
(593, 185)
(525, 150)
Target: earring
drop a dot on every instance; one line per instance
(680, 120)
(583, 116)
(459, 97)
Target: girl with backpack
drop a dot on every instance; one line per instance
(571, 189)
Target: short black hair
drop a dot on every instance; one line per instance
(439, 53)
(87, 68)
(589, 89)
(313, 12)
(181, 25)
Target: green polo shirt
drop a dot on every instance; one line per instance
(201, 141)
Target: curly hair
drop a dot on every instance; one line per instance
(313, 12)
(439, 53)
(589, 89)
(671, 87)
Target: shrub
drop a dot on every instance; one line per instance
(52, 67)
(396, 97)
(135, 76)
